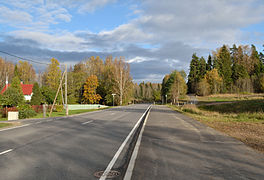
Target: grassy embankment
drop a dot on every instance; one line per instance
(239, 116)
(54, 114)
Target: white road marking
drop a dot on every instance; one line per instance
(87, 122)
(49, 120)
(112, 162)
(7, 151)
(38, 122)
(15, 127)
(132, 161)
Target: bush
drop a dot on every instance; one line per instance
(26, 111)
(59, 108)
(5, 110)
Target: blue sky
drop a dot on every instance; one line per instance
(154, 36)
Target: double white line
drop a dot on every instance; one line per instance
(112, 162)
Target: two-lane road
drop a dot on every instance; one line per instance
(175, 146)
(66, 148)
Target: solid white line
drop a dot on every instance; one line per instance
(7, 151)
(87, 122)
(112, 162)
(132, 161)
(15, 127)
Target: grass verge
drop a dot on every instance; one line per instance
(60, 114)
(71, 112)
(4, 125)
(242, 120)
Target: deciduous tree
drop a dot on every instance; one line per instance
(53, 74)
(90, 86)
(26, 72)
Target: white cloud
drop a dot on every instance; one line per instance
(171, 30)
(193, 21)
(35, 15)
(14, 16)
(92, 5)
(60, 42)
(126, 33)
(138, 59)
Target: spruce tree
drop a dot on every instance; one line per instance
(193, 77)
(225, 68)
(202, 68)
(37, 97)
(209, 64)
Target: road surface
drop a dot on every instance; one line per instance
(176, 147)
(173, 147)
(66, 148)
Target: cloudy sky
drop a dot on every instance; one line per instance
(154, 36)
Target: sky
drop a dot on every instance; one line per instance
(155, 37)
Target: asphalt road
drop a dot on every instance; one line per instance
(67, 148)
(175, 147)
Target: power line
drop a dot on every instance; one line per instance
(23, 58)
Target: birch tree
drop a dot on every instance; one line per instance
(123, 81)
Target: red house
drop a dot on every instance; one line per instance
(26, 88)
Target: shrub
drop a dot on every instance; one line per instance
(26, 111)
(5, 110)
(59, 108)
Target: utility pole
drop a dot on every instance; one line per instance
(57, 93)
(66, 99)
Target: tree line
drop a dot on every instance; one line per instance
(90, 81)
(239, 69)
(147, 92)
(228, 70)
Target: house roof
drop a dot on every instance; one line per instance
(26, 88)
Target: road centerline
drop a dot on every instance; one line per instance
(132, 161)
(7, 151)
(114, 159)
(87, 122)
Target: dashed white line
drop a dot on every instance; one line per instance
(112, 162)
(87, 122)
(15, 127)
(7, 151)
(38, 122)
